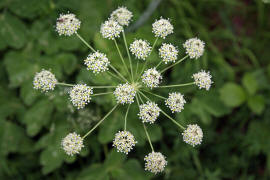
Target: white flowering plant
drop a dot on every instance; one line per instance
(139, 82)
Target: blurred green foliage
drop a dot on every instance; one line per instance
(234, 114)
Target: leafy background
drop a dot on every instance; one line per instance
(234, 114)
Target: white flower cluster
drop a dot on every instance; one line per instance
(124, 141)
(111, 29)
(168, 53)
(203, 79)
(67, 24)
(194, 48)
(80, 95)
(125, 93)
(149, 112)
(140, 48)
(72, 144)
(193, 135)
(151, 78)
(155, 162)
(44, 80)
(162, 28)
(122, 15)
(97, 62)
(175, 102)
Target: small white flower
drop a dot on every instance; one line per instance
(149, 112)
(151, 78)
(80, 95)
(194, 48)
(122, 15)
(125, 93)
(168, 53)
(193, 135)
(97, 62)
(140, 48)
(44, 80)
(124, 141)
(175, 102)
(203, 79)
(155, 162)
(67, 24)
(162, 28)
(72, 144)
(111, 29)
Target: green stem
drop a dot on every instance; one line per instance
(136, 75)
(144, 96)
(130, 63)
(174, 64)
(177, 85)
(155, 94)
(91, 130)
(174, 121)
(117, 72)
(65, 84)
(148, 137)
(101, 87)
(121, 57)
(88, 45)
(115, 76)
(99, 94)
(126, 117)
(158, 64)
(140, 98)
(146, 62)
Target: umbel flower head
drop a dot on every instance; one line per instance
(140, 48)
(151, 78)
(124, 141)
(125, 93)
(97, 62)
(149, 112)
(72, 144)
(193, 135)
(67, 24)
(203, 79)
(168, 53)
(162, 28)
(155, 162)
(111, 29)
(175, 102)
(194, 48)
(80, 95)
(122, 15)
(44, 80)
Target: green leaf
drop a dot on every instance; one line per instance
(13, 139)
(114, 160)
(28, 93)
(51, 159)
(38, 116)
(155, 132)
(94, 172)
(19, 68)
(256, 104)
(68, 61)
(232, 94)
(13, 31)
(250, 83)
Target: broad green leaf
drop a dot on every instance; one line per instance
(198, 109)
(38, 116)
(250, 83)
(114, 160)
(256, 104)
(13, 31)
(94, 172)
(67, 61)
(51, 159)
(232, 94)
(155, 132)
(28, 8)
(20, 69)
(28, 93)
(13, 139)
